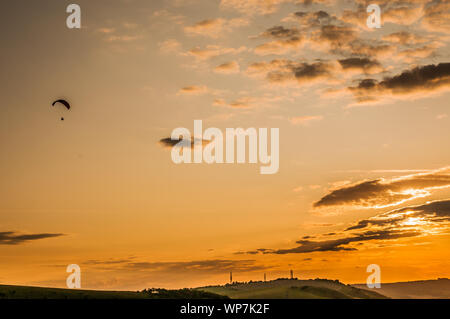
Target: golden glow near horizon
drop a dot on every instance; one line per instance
(363, 177)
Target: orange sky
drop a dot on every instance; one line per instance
(364, 133)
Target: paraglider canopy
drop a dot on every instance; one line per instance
(63, 102)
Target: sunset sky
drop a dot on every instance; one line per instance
(364, 124)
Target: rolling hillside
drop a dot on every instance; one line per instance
(293, 289)
(427, 289)
(276, 289)
(25, 292)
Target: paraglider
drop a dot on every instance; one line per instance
(63, 102)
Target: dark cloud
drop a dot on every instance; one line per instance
(425, 214)
(301, 72)
(314, 19)
(169, 143)
(426, 78)
(380, 192)
(429, 76)
(285, 39)
(278, 32)
(406, 222)
(364, 64)
(341, 244)
(311, 71)
(12, 238)
(337, 36)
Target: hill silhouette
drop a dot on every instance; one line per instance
(293, 289)
(26, 292)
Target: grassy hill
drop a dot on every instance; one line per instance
(25, 292)
(293, 289)
(427, 289)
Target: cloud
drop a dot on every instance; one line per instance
(312, 19)
(209, 266)
(432, 218)
(111, 261)
(168, 142)
(437, 16)
(194, 90)
(263, 68)
(123, 38)
(288, 72)
(432, 214)
(278, 47)
(239, 103)
(373, 48)
(363, 64)
(285, 39)
(383, 193)
(317, 70)
(211, 51)
(399, 12)
(227, 68)
(169, 46)
(307, 246)
(335, 36)
(106, 30)
(202, 266)
(340, 244)
(248, 101)
(423, 79)
(214, 28)
(404, 38)
(242, 102)
(280, 32)
(301, 73)
(252, 7)
(305, 120)
(12, 238)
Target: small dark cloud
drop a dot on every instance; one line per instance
(301, 72)
(279, 32)
(314, 19)
(380, 192)
(337, 36)
(169, 143)
(364, 64)
(311, 71)
(12, 238)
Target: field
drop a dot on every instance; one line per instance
(25, 292)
